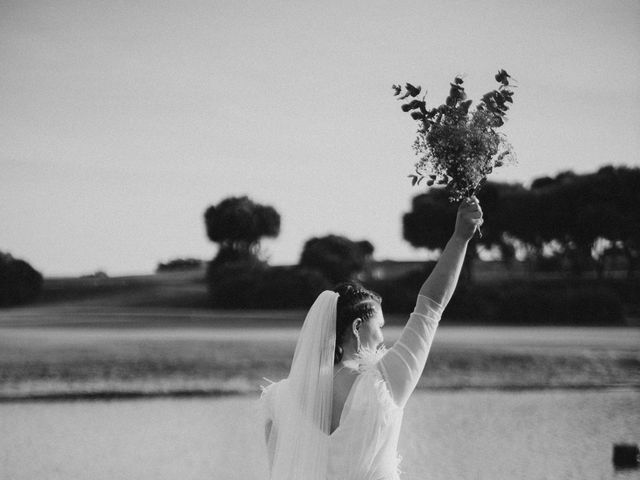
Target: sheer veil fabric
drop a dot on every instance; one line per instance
(303, 404)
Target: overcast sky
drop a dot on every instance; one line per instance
(121, 121)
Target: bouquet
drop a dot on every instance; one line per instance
(457, 147)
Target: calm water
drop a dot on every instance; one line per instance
(582, 395)
(555, 434)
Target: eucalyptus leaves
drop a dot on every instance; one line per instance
(459, 148)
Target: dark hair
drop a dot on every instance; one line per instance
(355, 301)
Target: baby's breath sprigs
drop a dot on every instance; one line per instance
(459, 148)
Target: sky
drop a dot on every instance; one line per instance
(121, 121)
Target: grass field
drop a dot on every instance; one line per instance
(171, 289)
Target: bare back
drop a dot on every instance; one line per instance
(342, 384)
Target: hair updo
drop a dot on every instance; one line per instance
(355, 301)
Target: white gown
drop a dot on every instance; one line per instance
(364, 445)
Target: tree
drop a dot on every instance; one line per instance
(495, 198)
(431, 222)
(579, 211)
(19, 282)
(337, 258)
(576, 214)
(524, 216)
(237, 224)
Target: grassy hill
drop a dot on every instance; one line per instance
(172, 289)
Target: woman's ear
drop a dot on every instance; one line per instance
(356, 325)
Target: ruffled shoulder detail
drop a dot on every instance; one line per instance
(368, 364)
(367, 358)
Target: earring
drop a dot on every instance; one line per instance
(359, 345)
(338, 354)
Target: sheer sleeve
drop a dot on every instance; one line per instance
(403, 364)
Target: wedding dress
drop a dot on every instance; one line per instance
(364, 445)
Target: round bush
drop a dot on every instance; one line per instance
(20, 283)
(253, 285)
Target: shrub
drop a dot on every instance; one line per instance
(338, 258)
(513, 303)
(244, 285)
(548, 264)
(536, 303)
(231, 284)
(399, 294)
(255, 285)
(180, 265)
(20, 283)
(289, 287)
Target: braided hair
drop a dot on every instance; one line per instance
(355, 301)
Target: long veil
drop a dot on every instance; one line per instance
(303, 405)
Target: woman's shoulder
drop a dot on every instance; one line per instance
(370, 367)
(368, 358)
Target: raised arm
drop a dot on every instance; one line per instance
(441, 284)
(404, 362)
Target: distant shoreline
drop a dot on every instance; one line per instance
(216, 393)
(77, 316)
(90, 362)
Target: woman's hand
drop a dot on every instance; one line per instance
(469, 218)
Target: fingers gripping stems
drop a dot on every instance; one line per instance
(469, 217)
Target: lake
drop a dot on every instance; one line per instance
(470, 435)
(94, 361)
(494, 402)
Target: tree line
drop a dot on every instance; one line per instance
(578, 220)
(570, 221)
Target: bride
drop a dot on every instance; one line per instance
(337, 416)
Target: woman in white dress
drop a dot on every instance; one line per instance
(337, 416)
